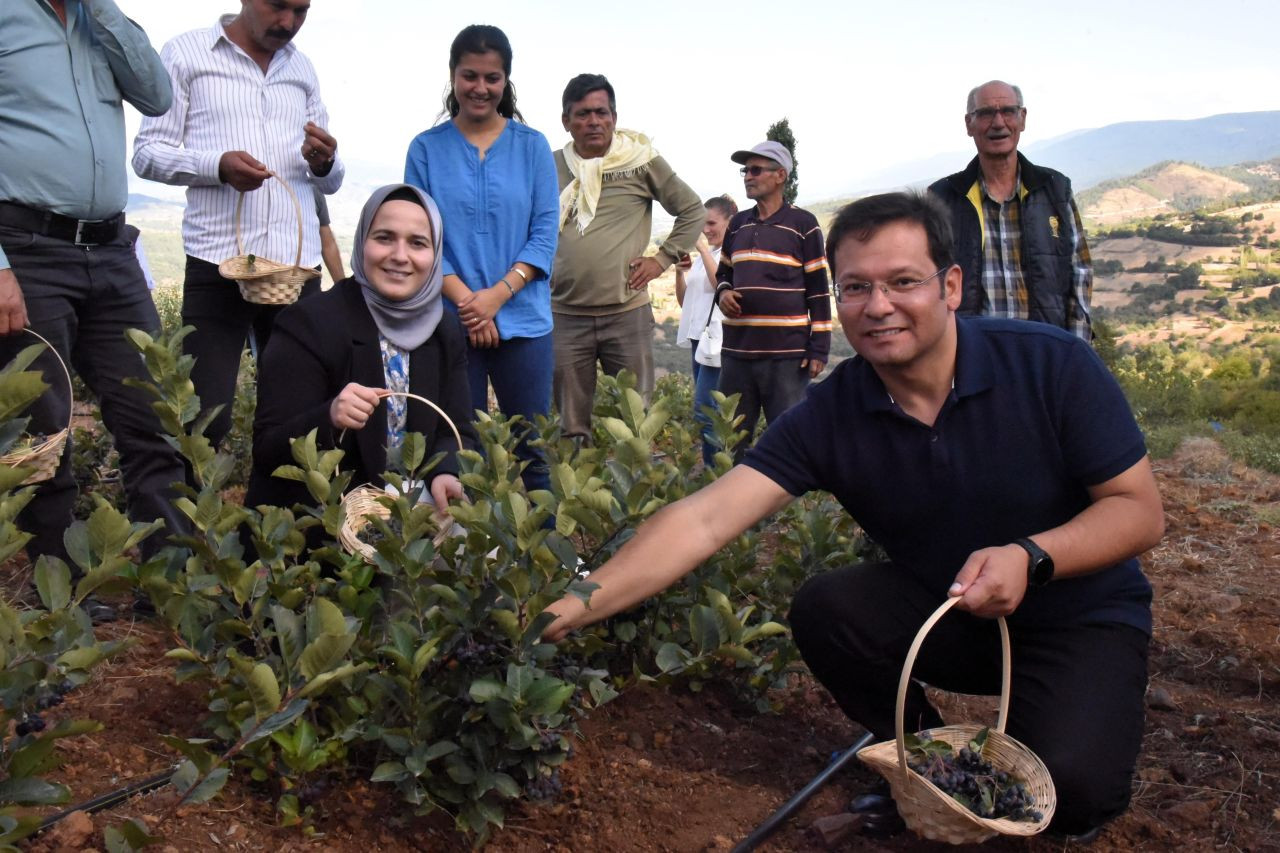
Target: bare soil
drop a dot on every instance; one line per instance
(677, 771)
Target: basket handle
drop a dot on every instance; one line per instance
(382, 395)
(905, 681)
(71, 390)
(297, 209)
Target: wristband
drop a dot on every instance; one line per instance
(509, 287)
(520, 273)
(721, 288)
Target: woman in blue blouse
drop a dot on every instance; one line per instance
(495, 183)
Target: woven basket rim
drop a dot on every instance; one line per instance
(45, 453)
(957, 824)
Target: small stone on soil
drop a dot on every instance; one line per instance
(834, 828)
(1159, 699)
(72, 832)
(1191, 814)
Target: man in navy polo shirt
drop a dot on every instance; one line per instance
(994, 460)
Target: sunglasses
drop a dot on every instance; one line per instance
(757, 171)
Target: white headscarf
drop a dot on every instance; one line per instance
(407, 323)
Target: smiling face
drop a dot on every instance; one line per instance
(912, 330)
(998, 135)
(714, 227)
(478, 83)
(590, 122)
(398, 252)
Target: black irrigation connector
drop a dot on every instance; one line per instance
(770, 826)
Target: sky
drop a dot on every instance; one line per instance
(865, 86)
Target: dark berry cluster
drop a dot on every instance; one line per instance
(470, 653)
(371, 534)
(974, 783)
(544, 787)
(46, 696)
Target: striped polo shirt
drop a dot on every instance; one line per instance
(779, 269)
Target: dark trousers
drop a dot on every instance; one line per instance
(223, 323)
(771, 385)
(1077, 690)
(520, 371)
(82, 299)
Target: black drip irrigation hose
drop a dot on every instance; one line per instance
(107, 800)
(770, 826)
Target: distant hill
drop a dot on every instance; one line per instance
(1177, 187)
(1089, 157)
(1121, 149)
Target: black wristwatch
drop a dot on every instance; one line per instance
(1039, 563)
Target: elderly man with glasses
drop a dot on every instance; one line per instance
(1019, 238)
(996, 462)
(772, 289)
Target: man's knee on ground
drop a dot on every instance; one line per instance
(1089, 792)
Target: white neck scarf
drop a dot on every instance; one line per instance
(628, 154)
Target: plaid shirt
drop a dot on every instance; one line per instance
(1002, 277)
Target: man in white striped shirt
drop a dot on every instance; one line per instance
(246, 105)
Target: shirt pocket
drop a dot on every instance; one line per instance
(105, 88)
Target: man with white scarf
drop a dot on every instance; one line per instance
(609, 180)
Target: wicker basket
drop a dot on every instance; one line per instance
(43, 458)
(263, 281)
(925, 808)
(364, 502)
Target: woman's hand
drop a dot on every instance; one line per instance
(353, 406)
(484, 336)
(444, 487)
(482, 306)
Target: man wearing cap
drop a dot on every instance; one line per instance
(246, 107)
(772, 289)
(67, 262)
(1019, 238)
(609, 180)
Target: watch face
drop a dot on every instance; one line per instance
(1042, 569)
(1039, 564)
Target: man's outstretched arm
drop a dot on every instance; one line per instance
(671, 544)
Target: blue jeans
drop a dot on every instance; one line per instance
(705, 380)
(520, 371)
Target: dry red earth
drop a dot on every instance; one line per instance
(676, 771)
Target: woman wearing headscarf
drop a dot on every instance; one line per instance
(333, 358)
(495, 180)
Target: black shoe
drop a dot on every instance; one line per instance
(99, 612)
(877, 813)
(1083, 839)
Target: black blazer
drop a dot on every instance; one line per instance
(320, 344)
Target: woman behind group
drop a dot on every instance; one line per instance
(695, 291)
(495, 182)
(333, 358)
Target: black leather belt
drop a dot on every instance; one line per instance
(81, 232)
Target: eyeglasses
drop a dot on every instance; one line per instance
(986, 115)
(857, 292)
(757, 171)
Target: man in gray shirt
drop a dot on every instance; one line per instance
(67, 263)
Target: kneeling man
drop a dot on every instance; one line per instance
(994, 460)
